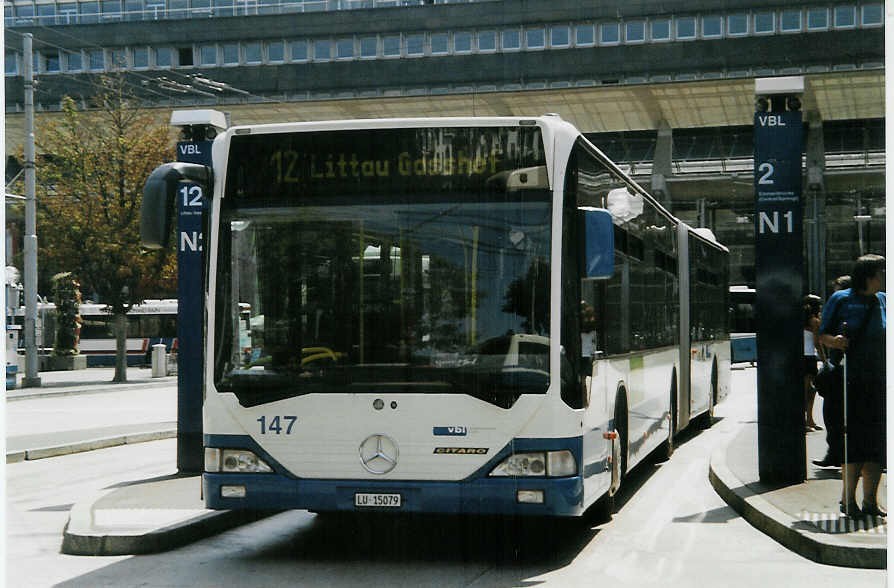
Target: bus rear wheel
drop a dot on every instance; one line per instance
(667, 448)
(706, 419)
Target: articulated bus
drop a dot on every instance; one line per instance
(448, 315)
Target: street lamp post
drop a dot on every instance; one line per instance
(31, 379)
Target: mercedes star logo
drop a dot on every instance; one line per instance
(378, 454)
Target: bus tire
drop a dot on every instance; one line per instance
(602, 510)
(621, 426)
(706, 419)
(666, 450)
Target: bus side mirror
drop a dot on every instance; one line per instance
(599, 248)
(157, 211)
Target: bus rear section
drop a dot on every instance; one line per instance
(399, 286)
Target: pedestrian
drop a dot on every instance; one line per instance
(853, 324)
(812, 308)
(833, 410)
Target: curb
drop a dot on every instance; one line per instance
(164, 539)
(89, 445)
(85, 389)
(780, 526)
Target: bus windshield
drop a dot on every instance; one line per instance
(422, 284)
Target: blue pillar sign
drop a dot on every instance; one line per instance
(779, 268)
(190, 310)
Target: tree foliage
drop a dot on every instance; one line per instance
(90, 189)
(92, 166)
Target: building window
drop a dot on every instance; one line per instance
(200, 8)
(164, 57)
(51, 61)
(223, 8)
(208, 55)
(176, 9)
(686, 27)
(276, 51)
(872, 15)
(266, 7)
(184, 57)
(74, 61)
(391, 46)
(609, 33)
(252, 51)
(298, 50)
(96, 60)
(230, 53)
(511, 40)
(140, 57)
(133, 9)
(790, 21)
(635, 31)
(416, 44)
(660, 29)
(46, 14)
(764, 23)
(559, 36)
(737, 24)
(487, 41)
(344, 49)
(817, 19)
(89, 12)
(712, 27)
(68, 13)
(12, 64)
(535, 38)
(845, 17)
(462, 42)
(322, 50)
(439, 44)
(25, 14)
(111, 10)
(584, 35)
(368, 47)
(119, 58)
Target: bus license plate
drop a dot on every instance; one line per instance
(382, 500)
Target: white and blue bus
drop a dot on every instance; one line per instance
(448, 315)
(149, 323)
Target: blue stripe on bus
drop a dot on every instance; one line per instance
(476, 494)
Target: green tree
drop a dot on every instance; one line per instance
(91, 173)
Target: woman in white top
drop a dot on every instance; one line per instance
(812, 352)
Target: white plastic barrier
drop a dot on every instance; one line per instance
(159, 361)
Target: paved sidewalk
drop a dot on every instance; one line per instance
(141, 517)
(147, 517)
(92, 380)
(88, 381)
(803, 517)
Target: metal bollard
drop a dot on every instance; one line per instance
(159, 361)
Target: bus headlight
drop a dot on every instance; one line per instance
(548, 463)
(239, 461)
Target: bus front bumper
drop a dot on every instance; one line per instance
(516, 496)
